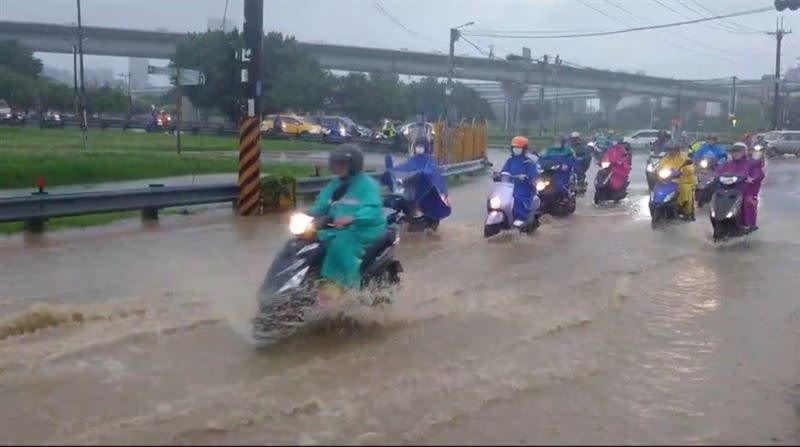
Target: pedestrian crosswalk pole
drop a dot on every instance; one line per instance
(249, 198)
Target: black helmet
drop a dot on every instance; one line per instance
(672, 145)
(349, 154)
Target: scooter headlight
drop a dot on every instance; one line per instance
(541, 185)
(664, 174)
(605, 164)
(704, 163)
(758, 147)
(494, 203)
(299, 223)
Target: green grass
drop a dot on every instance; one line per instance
(19, 169)
(71, 222)
(114, 140)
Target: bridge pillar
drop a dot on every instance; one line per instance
(514, 91)
(609, 100)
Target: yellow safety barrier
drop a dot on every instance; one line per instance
(465, 142)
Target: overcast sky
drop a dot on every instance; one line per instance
(705, 50)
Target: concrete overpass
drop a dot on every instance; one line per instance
(54, 38)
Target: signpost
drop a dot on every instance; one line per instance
(180, 76)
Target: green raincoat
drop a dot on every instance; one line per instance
(345, 246)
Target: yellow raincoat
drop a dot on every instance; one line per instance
(686, 182)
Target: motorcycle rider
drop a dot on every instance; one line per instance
(710, 148)
(419, 130)
(662, 139)
(560, 153)
(743, 166)
(353, 200)
(521, 164)
(582, 154)
(676, 160)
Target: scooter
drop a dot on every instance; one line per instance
(603, 190)
(402, 187)
(758, 151)
(287, 296)
(557, 200)
(726, 204)
(664, 198)
(705, 180)
(581, 185)
(651, 168)
(500, 206)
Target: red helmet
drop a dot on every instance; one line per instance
(519, 141)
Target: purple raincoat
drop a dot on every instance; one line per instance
(748, 168)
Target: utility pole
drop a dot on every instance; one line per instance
(83, 116)
(449, 107)
(75, 95)
(178, 109)
(776, 106)
(543, 64)
(249, 197)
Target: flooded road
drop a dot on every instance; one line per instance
(596, 329)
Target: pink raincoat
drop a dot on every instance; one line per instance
(620, 165)
(746, 167)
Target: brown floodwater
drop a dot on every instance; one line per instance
(597, 329)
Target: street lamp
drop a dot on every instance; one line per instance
(454, 34)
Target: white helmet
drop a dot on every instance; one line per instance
(575, 135)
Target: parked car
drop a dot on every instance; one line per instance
(51, 119)
(781, 142)
(9, 116)
(642, 139)
(292, 125)
(334, 130)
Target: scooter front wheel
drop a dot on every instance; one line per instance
(492, 230)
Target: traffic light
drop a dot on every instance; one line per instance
(781, 5)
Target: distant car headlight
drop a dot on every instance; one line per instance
(326, 131)
(342, 131)
(664, 173)
(494, 203)
(299, 223)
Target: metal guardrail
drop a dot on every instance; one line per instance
(36, 208)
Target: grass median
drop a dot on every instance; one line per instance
(114, 140)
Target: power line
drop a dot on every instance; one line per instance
(628, 30)
(475, 46)
(377, 5)
(224, 15)
(744, 28)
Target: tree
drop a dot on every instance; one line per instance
(214, 54)
(19, 59)
(106, 99)
(292, 80)
(17, 89)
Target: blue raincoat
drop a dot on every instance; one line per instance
(523, 189)
(560, 156)
(710, 149)
(430, 187)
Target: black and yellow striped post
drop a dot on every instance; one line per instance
(249, 200)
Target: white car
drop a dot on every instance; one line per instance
(642, 139)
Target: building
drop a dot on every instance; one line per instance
(137, 68)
